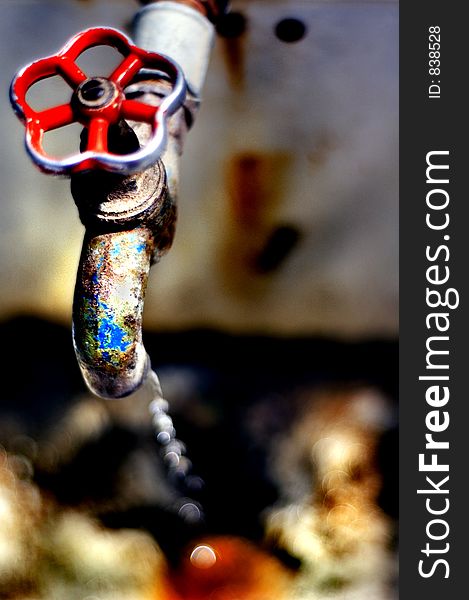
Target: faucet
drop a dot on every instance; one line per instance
(124, 178)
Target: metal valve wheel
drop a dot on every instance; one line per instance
(97, 103)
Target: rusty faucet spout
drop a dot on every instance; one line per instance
(128, 228)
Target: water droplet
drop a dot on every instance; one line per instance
(158, 406)
(184, 466)
(175, 446)
(190, 512)
(163, 438)
(172, 459)
(203, 557)
(194, 483)
(162, 422)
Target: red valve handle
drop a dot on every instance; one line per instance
(96, 103)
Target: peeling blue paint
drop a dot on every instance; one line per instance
(110, 335)
(96, 274)
(115, 250)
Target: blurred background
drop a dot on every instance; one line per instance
(272, 324)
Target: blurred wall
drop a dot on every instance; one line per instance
(288, 205)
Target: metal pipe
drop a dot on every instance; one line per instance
(108, 309)
(118, 250)
(182, 33)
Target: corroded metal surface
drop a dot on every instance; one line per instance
(108, 309)
(114, 202)
(112, 279)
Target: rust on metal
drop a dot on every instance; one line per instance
(109, 300)
(232, 30)
(256, 182)
(129, 226)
